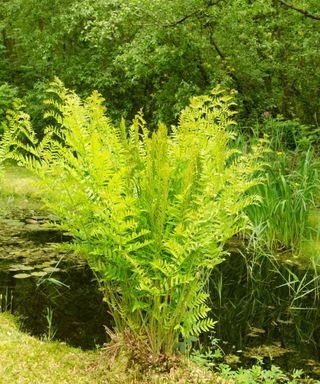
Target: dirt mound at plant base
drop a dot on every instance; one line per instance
(128, 356)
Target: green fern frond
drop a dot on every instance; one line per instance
(150, 211)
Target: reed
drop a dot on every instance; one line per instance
(281, 221)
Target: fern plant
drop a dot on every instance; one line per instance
(149, 211)
(11, 129)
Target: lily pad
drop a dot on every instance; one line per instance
(20, 267)
(51, 269)
(39, 273)
(21, 275)
(28, 268)
(17, 267)
(46, 264)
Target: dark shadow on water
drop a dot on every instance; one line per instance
(37, 277)
(45, 235)
(78, 312)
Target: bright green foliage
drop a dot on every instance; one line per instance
(16, 128)
(150, 212)
(7, 97)
(256, 375)
(9, 132)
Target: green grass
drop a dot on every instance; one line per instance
(17, 190)
(27, 360)
(24, 359)
(19, 181)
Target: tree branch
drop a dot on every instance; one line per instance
(181, 20)
(193, 14)
(302, 11)
(217, 48)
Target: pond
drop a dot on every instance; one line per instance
(37, 279)
(54, 293)
(263, 314)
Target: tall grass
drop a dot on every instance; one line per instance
(271, 280)
(281, 221)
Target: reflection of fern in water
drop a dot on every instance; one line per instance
(150, 211)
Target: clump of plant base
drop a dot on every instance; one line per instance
(137, 357)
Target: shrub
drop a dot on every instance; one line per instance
(149, 211)
(7, 95)
(287, 134)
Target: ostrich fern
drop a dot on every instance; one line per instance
(150, 211)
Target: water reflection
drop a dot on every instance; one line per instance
(35, 275)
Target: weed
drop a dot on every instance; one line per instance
(51, 331)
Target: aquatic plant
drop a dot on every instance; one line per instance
(288, 195)
(51, 331)
(275, 267)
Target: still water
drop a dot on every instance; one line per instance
(44, 286)
(37, 278)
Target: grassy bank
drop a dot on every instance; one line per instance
(27, 360)
(24, 359)
(18, 191)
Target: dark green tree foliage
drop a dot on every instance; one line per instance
(158, 54)
(7, 95)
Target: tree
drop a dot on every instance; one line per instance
(156, 55)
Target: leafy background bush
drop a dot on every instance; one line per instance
(7, 95)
